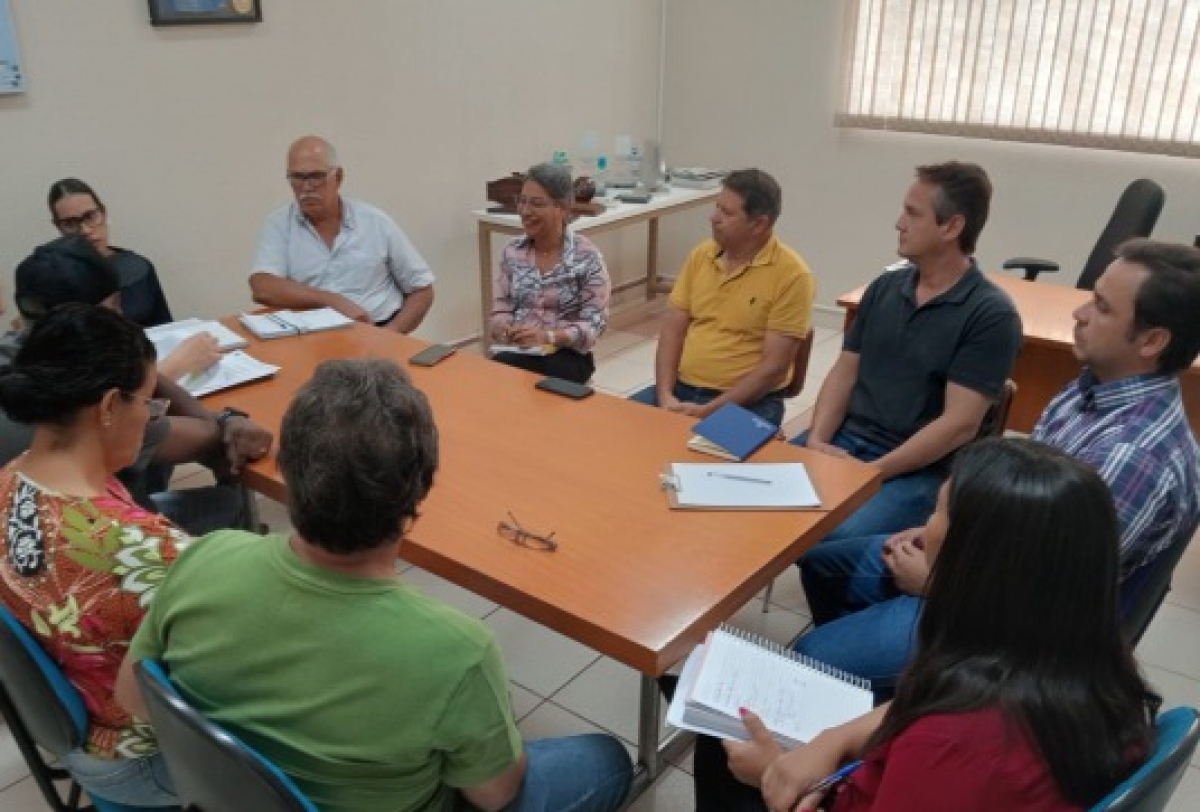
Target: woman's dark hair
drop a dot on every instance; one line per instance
(358, 450)
(71, 358)
(70, 186)
(1021, 616)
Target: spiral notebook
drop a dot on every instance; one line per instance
(795, 696)
(281, 323)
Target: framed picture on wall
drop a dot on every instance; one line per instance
(202, 12)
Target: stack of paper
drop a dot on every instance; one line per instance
(739, 486)
(166, 337)
(697, 177)
(233, 369)
(293, 322)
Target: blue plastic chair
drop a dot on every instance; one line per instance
(213, 770)
(1150, 788)
(43, 709)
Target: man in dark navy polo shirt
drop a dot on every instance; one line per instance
(928, 352)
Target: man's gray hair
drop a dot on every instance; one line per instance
(358, 451)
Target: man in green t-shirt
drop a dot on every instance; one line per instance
(368, 694)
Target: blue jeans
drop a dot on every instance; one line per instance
(587, 773)
(130, 781)
(770, 408)
(902, 502)
(865, 625)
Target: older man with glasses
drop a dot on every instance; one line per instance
(325, 250)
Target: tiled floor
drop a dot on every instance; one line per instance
(561, 687)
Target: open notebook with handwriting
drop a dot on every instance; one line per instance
(795, 696)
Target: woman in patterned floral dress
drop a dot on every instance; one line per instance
(81, 560)
(552, 288)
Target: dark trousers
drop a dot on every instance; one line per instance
(716, 787)
(566, 364)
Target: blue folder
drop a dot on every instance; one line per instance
(732, 433)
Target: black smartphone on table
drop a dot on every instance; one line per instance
(568, 389)
(432, 355)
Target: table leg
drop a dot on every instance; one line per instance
(652, 259)
(649, 709)
(485, 282)
(653, 754)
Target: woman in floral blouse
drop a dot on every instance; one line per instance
(552, 289)
(81, 560)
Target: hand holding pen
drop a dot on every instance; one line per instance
(793, 782)
(822, 787)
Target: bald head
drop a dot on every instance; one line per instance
(313, 147)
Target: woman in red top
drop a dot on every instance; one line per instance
(81, 560)
(1022, 693)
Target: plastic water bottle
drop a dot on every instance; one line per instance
(561, 159)
(634, 163)
(589, 149)
(601, 176)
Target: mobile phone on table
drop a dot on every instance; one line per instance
(432, 355)
(568, 389)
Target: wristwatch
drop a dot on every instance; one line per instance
(227, 413)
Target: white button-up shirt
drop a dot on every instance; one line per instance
(372, 262)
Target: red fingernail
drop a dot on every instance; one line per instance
(743, 711)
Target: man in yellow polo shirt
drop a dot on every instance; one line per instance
(738, 311)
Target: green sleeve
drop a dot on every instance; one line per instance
(147, 643)
(477, 735)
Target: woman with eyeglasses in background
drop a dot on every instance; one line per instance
(75, 208)
(551, 291)
(81, 560)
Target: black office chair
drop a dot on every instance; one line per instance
(1151, 787)
(43, 710)
(213, 770)
(1135, 215)
(1144, 592)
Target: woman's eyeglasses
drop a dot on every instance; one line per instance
(73, 225)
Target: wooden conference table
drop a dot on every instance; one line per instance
(631, 578)
(618, 215)
(1047, 361)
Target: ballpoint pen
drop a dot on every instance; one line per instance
(832, 780)
(285, 324)
(740, 478)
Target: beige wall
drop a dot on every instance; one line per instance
(756, 83)
(183, 130)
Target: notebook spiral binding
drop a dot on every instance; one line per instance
(789, 654)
